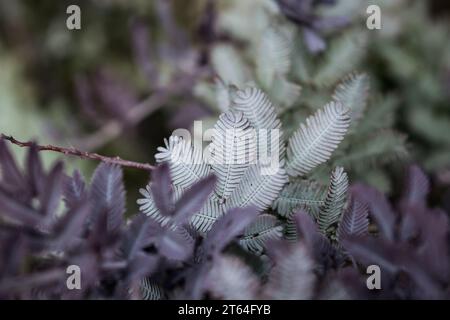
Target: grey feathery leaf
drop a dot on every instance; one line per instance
(331, 211)
(150, 290)
(380, 114)
(355, 220)
(265, 227)
(313, 143)
(230, 278)
(343, 56)
(273, 56)
(284, 93)
(229, 64)
(306, 194)
(148, 207)
(186, 162)
(352, 93)
(203, 220)
(290, 229)
(260, 112)
(258, 189)
(302, 62)
(257, 108)
(223, 96)
(232, 149)
(385, 146)
(292, 277)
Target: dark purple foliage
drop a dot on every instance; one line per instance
(412, 247)
(85, 97)
(143, 51)
(379, 206)
(355, 220)
(321, 248)
(224, 231)
(187, 113)
(39, 240)
(416, 187)
(228, 227)
(175, 242)
(116, 96)
(162, 189)
(408, 241)
(303, 13)
(193, 200)
(38, 243)
(74, 189)
(108, 195)
(105, 95)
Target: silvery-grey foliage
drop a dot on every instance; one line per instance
(333, 207)
(231, 278)
(148, 207)
(272, 65)
(150, 290)
(232, 149)
(336, 63)
(292, 277)
(241, 182)
(186, 162)
(314, 142)
(309, 195)
(257, 189)
(352, 92)
(265, 227)
(203, 220)
(257, 108)
(273, 56)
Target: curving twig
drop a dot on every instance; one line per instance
(81, 154)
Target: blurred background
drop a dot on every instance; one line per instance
(138, 69)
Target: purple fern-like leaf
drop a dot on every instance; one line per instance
(162, 189)
(108, 194)
(379, 208)
(193, 199)
(355, 220)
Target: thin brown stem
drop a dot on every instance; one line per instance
(81, 154)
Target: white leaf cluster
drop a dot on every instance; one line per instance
(233, 157)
